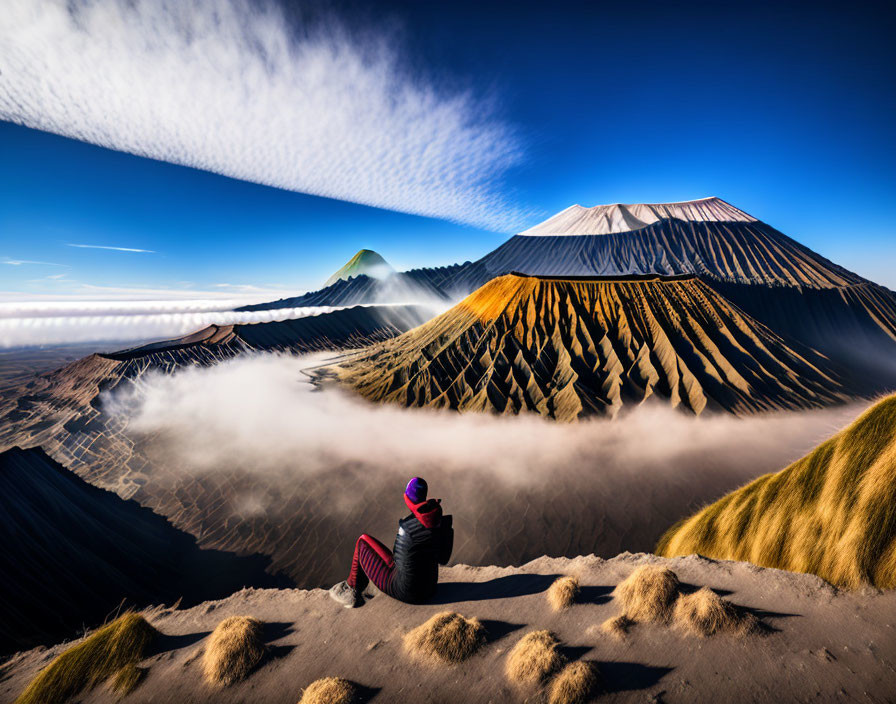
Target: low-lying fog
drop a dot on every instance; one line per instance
(26, 324)
(298, 473)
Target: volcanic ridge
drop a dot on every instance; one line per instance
(57, 409)
(365, 279)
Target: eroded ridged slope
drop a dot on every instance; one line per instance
(566, 348)
(832, 513)
(853, 325)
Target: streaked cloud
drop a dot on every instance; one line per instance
(25, 262)
(243, 288)
(233, 88)
(114, 249)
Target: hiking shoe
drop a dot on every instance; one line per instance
(343, 594)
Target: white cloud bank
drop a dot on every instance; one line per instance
(261, 412)
(227, 87)
(58, 323)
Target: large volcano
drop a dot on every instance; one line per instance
(565, 348)
(708, 237)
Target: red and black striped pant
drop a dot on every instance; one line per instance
(373, 562)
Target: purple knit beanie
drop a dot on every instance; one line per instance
(416, 490)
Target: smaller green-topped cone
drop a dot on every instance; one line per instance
(366, 262)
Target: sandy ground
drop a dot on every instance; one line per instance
(824, 645)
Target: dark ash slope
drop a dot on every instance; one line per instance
(736, 252)
(71, 553)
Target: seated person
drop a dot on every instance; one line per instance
(411, 571)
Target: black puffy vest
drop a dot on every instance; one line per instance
(418, 552)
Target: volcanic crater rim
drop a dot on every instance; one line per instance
(620, 278)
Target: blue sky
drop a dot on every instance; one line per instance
(786, 110)
(203, 230)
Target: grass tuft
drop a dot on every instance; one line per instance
(575, 684)
(534, 658)
(648, 594)
(705, 613)
(447, 637)
(617, 626)
(233, 650)
(117, 646)
(563, 593)
(329, 690)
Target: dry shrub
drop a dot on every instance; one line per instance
(563, 593)
(234, 648)
(126, 679)
(534, 658)
(831, 513)
(446, 637)
(120, 644)
(648, 593)
(617, 626)
(705, 613)
(329, 690)
(575, 683)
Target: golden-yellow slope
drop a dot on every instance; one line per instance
(832, 513)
